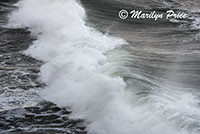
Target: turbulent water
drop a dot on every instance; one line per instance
(75, 67)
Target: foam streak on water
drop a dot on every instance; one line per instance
(74, 56)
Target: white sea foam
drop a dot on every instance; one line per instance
(74, 56)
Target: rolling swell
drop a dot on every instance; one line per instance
(163, 58)
(146, 84)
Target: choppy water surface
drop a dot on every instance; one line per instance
(119, 76)
(22, 111)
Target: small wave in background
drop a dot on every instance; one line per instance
(119, 76)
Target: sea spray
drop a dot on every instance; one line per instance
(74, 55)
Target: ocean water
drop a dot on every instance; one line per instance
(87, 71)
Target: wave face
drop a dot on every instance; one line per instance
(115, 86)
